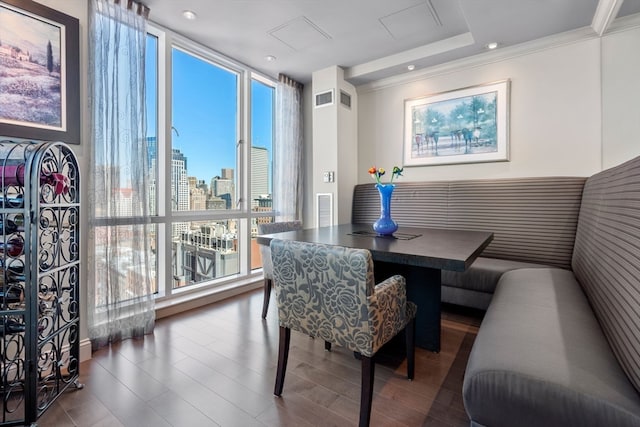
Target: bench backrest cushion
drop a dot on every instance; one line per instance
(533, 219)
(606, 258)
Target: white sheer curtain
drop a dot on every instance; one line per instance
(120, 289)
(288, 177)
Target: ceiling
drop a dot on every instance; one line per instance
(373, 39)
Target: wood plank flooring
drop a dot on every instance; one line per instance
(215, 366)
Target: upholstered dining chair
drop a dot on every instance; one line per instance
(265, 253)
(329, 292)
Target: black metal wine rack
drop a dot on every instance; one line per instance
(39, 277)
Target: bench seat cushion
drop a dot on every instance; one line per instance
(484, 273)
(540, 358)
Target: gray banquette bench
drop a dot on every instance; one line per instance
(533, 221)
(559, 344)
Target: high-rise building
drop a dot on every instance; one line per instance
(124, 201)
(179, 182)
(203, 186)
(197, 196)
(179, 188)
(152, 163)
(198, 199)
(192, 181)
(227, 173)
(224, 189)
(259, 174)
(106, 177)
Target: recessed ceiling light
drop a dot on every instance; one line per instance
(188, 14)
(270, 58)
(492, 45)
(411, 67)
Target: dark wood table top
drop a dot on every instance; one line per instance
(423, 247)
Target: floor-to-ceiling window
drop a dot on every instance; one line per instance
(262, 108)
(151, 98)
(210, 138)
(204, 159)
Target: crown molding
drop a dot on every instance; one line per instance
(605, 14)
(485, 58)
(569, 37)
(623, 24)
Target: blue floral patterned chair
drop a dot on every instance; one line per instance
(265, 252)
(329, 292)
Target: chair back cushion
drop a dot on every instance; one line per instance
(269, 228)
(606, 258)
(323, 291)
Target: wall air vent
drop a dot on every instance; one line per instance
(324, 99)
(345, 99)
(324, 209)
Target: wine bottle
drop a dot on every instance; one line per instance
(8, 278)
(8, 226)
(12, 277)
(11, 326)
(15, 201)
(15, 268)
(19, 221)
(12, 247)
(13, 174)
(13, 273)
(11, 295)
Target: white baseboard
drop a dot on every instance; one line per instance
(85, 350)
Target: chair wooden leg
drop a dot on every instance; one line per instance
(283, 356)
(366, 391)
(327, 346)
(267, 296)
(410, 338)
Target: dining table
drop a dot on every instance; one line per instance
(418, 254)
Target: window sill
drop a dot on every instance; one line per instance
(189, 301)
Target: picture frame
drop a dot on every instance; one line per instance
(468, 125)
(39, 62)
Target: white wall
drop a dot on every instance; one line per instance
(347, 138)
(325, 148)
(307, 156)
(335, 147)
(80, 10)
(554, 115)
(620, 96)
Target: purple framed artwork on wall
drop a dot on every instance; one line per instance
(39, 73)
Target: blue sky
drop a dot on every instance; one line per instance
(204, 107)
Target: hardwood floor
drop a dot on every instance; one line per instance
(216, 366)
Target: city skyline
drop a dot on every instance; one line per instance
(205, 112)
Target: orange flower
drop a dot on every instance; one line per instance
(377, 173)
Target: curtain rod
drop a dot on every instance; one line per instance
(141, 9)
(283, 78)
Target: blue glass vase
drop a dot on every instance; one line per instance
(385, 226)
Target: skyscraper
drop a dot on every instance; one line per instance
(179, 182)
(106, 178)
(224, 189)
(179, 189)
(227, 173)
(259, 174)
(152, 163)
(197, 196)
